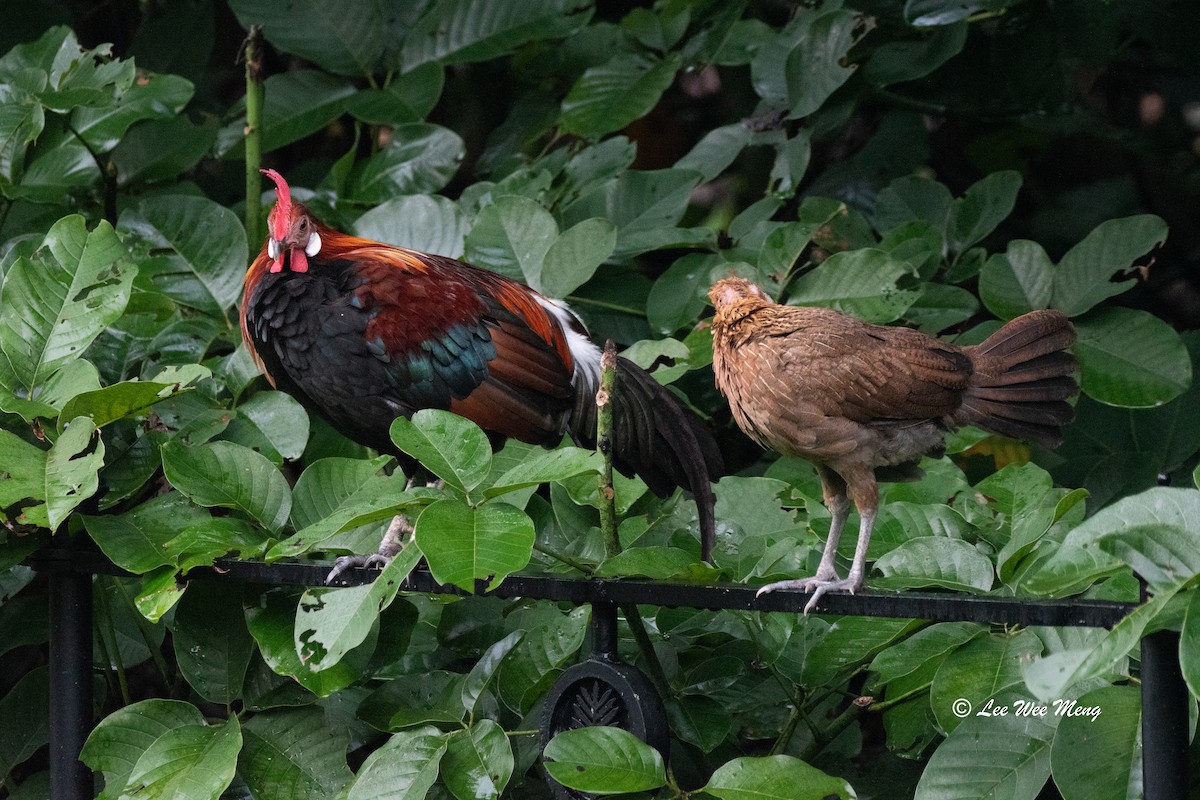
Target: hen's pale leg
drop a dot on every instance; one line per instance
(392, 543)
(865, 493)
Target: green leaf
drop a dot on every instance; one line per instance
(1085, 275)
(429, 224)
(1100, 758)
(272, 623)
(212, 645)
(59, 301)
(124, 399)
(332, 622)
(544, 466)
(60, 478)
(151, 97)
(1189, 644)
(816, 66)
(228, 475)
(163, 149)
(699, 720)
(297, 749)
(478, 762)
(651, 562)
(608, 97)
(407, 98)
(775, 778)
(528, 671)
(453, 31)
(978, 670)
(1017, 281)
(984, 206)
(347, 40)
(913, 198)
(463, 543)
(512, 236)
(574, 257)
(28, 701)
(281, 419)
(1131, 358)
(716, 150)
(449, 446)
(202, 251)
(399, 704)
(901, 60)
(925, 646)
(136, 540)
(933, 13)
(296, 104)
(193, 761)
(997, 756)
(603, 760)
(420, 158)
(936, 561)
(859, 282)
(403, 769)
(485, 669)
(119, 740)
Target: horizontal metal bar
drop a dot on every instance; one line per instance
(1071, 612)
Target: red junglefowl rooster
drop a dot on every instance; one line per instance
(862, 401)
(362, 333)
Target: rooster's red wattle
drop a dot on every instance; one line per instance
(362, 332)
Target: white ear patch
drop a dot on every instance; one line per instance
(273, 248)
(314, 244)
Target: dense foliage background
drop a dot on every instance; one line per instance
(945, 165)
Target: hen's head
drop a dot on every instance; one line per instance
(292, 235)
(734, 298)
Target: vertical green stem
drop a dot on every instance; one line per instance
(254, 102)
(604, 439)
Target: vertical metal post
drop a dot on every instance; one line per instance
(1165, 703)
(70, 683)
(604, 629)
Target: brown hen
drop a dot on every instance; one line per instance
(862, 401)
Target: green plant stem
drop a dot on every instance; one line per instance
(557, 556)
(827, 734)
(107, 637)
(108, 175)
(254, 102)
(604, 439)
(575, 299)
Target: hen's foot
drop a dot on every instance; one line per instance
(393, 543)
(819, 586)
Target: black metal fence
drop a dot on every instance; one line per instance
(1165, 696)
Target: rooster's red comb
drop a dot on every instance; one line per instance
(283, 205)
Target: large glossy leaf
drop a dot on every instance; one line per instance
(997, 756)
(420, 159)
(603, 760)
(1085, 275)
(427, 223)
(775, 778)
(803, 64)
(194, 761)
(478, 762)
(984, 206)
(716, 150)
(291, 754)
(136, 540)
(980, 669)
(347, 40)
(227, 475)
(407, 98)
(512, 236)
(485, 669)
(1131, 358)
(544, 466)
(127, 398)
(58, 302)
(463, 543)
(451, 447)
(28, 701)
(153, 97)
(212, 645)
(202, 250)
(608, 97)
(119, 740)
(52, 482)
(936, 561)
(1100, 757)
(1017, 281)
(528, 671)
(477, 30)
(403, 769)
(331, 622)
(574, 257)
(858, 282)
(926, 645)
(400, 704)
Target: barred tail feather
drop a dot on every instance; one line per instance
(1022, 379)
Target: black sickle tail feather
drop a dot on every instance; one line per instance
(1023, 379)
(658, 439)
